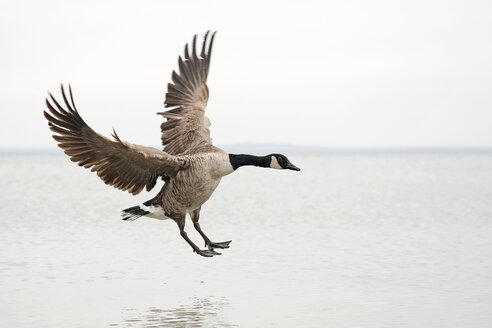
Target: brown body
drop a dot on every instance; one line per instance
(192, 187)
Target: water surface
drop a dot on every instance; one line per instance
(353, 240)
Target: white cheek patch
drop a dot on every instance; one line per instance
(274, 163)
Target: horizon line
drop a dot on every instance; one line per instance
(292, 147)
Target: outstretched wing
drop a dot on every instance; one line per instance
(118, 163)
(186, 130)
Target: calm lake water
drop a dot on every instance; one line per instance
(353, 240)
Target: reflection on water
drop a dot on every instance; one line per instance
(202, 312)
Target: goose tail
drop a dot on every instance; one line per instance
(133, 213)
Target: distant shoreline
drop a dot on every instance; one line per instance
(272, 148)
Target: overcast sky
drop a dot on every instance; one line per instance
(327, 73)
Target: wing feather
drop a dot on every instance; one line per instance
(186, 129)
(118, 163)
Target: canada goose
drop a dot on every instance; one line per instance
(190, 164)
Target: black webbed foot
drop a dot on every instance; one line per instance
(224, 244)
(206, 252)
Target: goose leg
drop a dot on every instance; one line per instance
(196, 249)
(195, 216)
(208, 243)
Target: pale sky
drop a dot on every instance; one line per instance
(327, 73)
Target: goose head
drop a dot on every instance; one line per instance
(281, 162)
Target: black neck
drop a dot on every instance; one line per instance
(242, 159)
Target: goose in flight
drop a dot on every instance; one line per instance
(190, 165)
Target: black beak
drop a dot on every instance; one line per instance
(291, 166)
